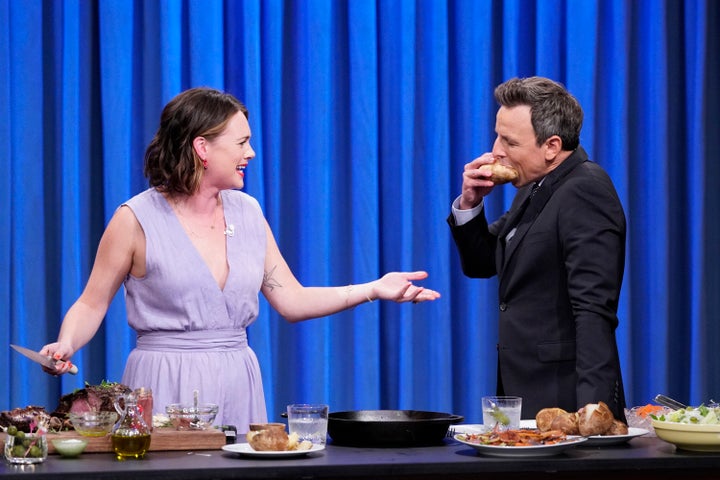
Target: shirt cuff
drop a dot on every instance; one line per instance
(464, 216)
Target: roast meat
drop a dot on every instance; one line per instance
(91, 398)
(27, 418)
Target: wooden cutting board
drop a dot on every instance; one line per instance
(162, 439)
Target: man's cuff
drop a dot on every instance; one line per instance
(464, 216)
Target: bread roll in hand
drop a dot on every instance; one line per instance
(499, 173)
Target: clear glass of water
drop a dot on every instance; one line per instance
(502, 412)
(309, 421)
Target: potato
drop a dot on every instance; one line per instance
(617, 428)
(567, 423)
(500, 173)
(595, 419)
(545, 417)
(272, 439)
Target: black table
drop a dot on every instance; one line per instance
(639, 458)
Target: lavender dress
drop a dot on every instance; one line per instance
(190, 333)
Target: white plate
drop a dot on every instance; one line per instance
(246, 450)
(605, 440)
(480, 428)
(534, 451)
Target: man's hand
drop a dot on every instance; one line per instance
(476, 183)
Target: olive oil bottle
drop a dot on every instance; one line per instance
(130, 436)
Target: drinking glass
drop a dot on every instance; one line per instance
(309, 421)
(502, 412)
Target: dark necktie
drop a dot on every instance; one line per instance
(522, 209)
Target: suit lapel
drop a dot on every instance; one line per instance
(528, 215)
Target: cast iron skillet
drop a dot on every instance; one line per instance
(389, 428)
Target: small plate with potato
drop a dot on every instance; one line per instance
(246, 450)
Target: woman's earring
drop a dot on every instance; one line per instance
(204, 162)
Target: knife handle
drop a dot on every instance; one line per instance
(73, 368)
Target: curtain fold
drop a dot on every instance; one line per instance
(363, 115)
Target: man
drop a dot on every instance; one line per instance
(559, 253)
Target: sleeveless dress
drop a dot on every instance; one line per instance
(191, 334)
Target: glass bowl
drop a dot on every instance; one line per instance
(26, 448)
(93, 424)
(190, 417)
(69, 447)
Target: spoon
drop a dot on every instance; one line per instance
(195, 423)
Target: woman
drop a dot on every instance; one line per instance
(193, 252)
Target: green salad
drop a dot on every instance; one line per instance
(701, 415)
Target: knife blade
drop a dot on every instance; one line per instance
(41, 359)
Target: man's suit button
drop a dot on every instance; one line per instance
(503, 306)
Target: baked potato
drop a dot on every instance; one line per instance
(566, 423)
(617, 428)
(272, 439)
(595, 419)
(499, 173)
(545, 417)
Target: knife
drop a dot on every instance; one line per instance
(41, 359)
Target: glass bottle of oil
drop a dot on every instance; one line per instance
(130, 436)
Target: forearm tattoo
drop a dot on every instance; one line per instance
(269, 281)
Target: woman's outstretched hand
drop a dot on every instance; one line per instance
(398, 287)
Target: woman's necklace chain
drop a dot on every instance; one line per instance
(187, 225)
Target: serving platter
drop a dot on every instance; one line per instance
(162, 439)
(592, 441)
(480, 428)
(245, 450)
(608, 440)
(530, 451)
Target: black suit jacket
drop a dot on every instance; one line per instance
(559, 283)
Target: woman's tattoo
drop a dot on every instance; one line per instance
(269, 281)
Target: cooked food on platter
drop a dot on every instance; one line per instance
(499, 173)
(591, 420)
(92, 398)
(275, 439)
(524, 442)
(595, 419)
(514, 437)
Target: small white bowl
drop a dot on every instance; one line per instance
(69, 447)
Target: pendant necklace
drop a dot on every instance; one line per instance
(187, 225)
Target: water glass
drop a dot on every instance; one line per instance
(501, 412)
(309, 421)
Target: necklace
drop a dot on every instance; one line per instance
(184, 220)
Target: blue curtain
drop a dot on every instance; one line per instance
(363, 115)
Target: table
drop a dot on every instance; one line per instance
(641, 457)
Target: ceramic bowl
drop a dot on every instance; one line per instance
(697, 438)
(190, 417)
(93, 424)
(69, 447)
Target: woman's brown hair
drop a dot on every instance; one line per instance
(171, 164)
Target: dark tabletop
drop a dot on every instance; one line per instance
(638, 458)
